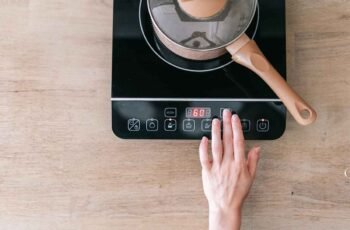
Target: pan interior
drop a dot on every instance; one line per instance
(202, 34)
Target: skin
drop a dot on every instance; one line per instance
(228, 175)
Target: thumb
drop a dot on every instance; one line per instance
(253, 158)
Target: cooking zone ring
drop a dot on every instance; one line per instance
(144, 19)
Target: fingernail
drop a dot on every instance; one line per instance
(227, 111)
(258, 149)
(235, 117)
(205, 139)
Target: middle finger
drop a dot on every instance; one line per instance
(227, 136)
(216, 144)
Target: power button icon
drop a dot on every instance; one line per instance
(263, 126)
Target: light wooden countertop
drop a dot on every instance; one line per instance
(61, 167)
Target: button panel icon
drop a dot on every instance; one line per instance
(134, 125)
(263, 126)
(246, 125)
(206, 125)
(170, 112)
(189, 125)
(152, 125)
(170, 125)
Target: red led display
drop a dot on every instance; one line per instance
(198, 112)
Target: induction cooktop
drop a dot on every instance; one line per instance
(159, 95)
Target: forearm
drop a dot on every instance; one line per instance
(220, 220)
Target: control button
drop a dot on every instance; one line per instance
(170, 125)
(134, 125)
(222, 111)
(245, 125)
(152, 125)
(206, 125)
(189, 125)
(263, 125)
(170, 112)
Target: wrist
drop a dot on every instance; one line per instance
(223, 219)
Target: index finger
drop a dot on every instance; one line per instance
(238, 139)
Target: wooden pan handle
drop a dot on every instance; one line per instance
(247, 53)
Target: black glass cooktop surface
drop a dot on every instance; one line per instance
(139, 73)
(155, 96)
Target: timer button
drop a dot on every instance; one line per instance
(170, 112)
(189, 125)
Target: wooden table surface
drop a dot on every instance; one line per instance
(62, 168)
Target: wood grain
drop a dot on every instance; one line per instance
(62, 168)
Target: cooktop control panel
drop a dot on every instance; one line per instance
(192, 120)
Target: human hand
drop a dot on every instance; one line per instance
(228, 176)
